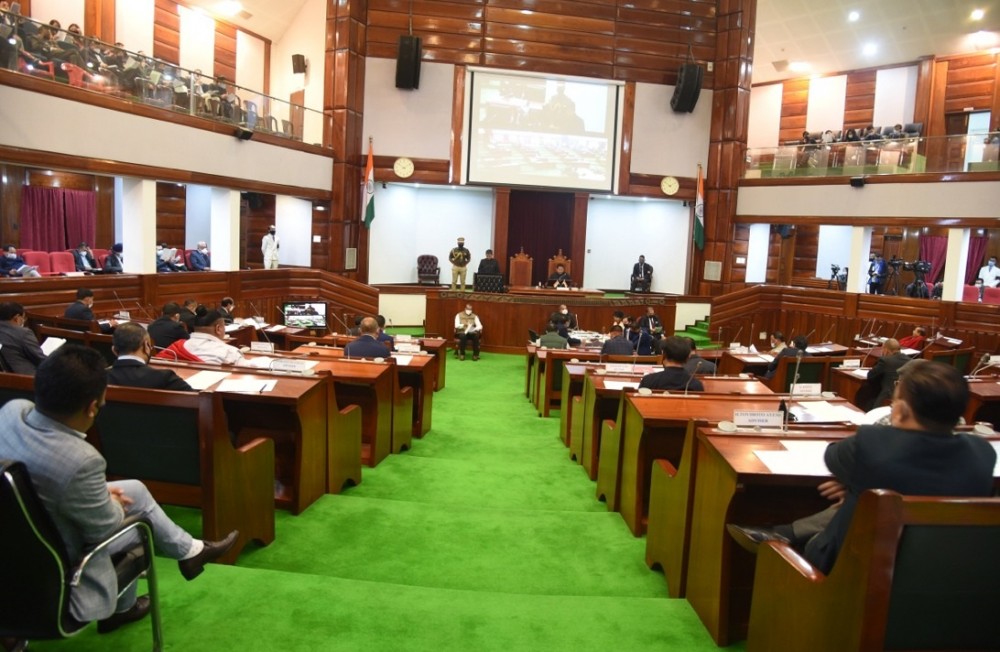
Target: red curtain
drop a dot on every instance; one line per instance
(42, 219)
(934, 249)
(977, 250)
(81, 216)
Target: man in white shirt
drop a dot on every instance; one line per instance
(269, 247)
(468, 327)
(990, 273)
(207, 340)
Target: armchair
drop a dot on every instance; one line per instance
(38, 574)
(428, 271)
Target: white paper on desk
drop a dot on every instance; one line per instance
(233, 327)
(818, 349)
(822, 411)
(402, 337)
(909, 352)
(246, 385)
(263, 362)
(996, 468)
(276, 327)
(794, 462)
(408, 347)
(811, 446)
(756, 358)
(51, 344)
(403, 360)
(619, 385)
(860, 373)
(205, 379)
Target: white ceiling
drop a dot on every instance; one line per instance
(818, 32)
(814, 31)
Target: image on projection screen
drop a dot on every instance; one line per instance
(534, 131)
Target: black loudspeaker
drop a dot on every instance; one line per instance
(857, 182)
(688, 88)
(243, 133)
(298, 63)
(408, 62)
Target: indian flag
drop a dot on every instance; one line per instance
(699, 213)
(369, 188)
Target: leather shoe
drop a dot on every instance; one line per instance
(750, 538)
(136, 612)
(192, 568)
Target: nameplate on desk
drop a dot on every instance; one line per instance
(262, 347)
(407, 347)
(293, 366)
(122, 315)
(758, 419)
(619, 367)
(807, 389)
(404, 338)
(851, 364)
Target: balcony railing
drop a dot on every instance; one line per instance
(40, 50)
(972, 153)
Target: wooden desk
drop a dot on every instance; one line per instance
(734, 486)
(850, 386)
(984, 401)
(435, 346)
(549, 367)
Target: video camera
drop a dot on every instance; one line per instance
(895, 262)
(918, 266)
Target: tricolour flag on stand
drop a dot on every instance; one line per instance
(699, 213)
(369, 214)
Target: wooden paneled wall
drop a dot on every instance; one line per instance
(794, 104)
(171, 214)
(256, 215)
(637, 40)
(167, 32)
(859, 104)
(971, 83)
(225, 51)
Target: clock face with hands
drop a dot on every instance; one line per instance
(670, 185)
(403, 167)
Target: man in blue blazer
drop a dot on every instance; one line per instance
(19, 348)
(367, 345)
(68, 474)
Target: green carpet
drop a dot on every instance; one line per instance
(485, 536)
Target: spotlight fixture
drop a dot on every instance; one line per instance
(857, 182)
(977, 14)
(854, 16)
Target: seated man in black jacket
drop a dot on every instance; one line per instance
(132, 345)
(168, 328)
(798, 348)
(674, 376)
(84, 259)
(489, 265)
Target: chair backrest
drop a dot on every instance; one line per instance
(187, 258)
(33, 562)
(61, 261)
(38, 258)
(427, 264)
(970, 294)
(532, 336)
(520, 269)
(560, 259)
(991, 295)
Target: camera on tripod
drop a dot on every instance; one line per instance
(894, 262)
(918, 266)
(835, 269)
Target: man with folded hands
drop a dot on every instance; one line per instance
(132, 345)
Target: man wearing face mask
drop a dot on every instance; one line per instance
(132, 345)
(990, 273)
(269, 247)
(468, 327)
(19, 348)
(201, 259)
(13, 265)
(564, 315)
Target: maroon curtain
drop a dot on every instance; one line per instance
(81, 216)
(977, 250)
(934, 249)
(42, 221)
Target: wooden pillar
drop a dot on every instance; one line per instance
(578, 246)
(343, 108)
(728, 139)
(501, 226)
(99, 19)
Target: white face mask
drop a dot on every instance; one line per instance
(11, 255)
(204, 250)
(564, 311)
(468, 312)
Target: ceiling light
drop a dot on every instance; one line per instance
(869, 50)
(854, 16)
(799, 66)
(977, 14)
(229, 8)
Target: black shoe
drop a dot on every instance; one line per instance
(138, 611)
(192, 568)
(750, 538)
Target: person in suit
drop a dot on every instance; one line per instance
(19, 348)
(642, 275)
(564, 315)
(69, 476)
(82, 308)
(226, 308)
(695, 363)
(777, 343)
(676, 352)
(133, 346)
(559, 278)
(798, 347)
(468, 328)
(167, 328)
(367, 344)
(13, 265)
(617, 344)
(641, 340)
(188, 314)
(384, 338)
(885, 373)
(651, 323)
(876, 274)
(489, 265)
(83, 259)
(552, 339)
(113, 263)
(201, 258)
(917, 455)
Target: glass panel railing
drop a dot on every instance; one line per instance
(45, 51)
(971, 153)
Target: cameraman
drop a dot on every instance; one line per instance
(876, 274)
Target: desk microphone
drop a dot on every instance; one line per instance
(691, 377)
(262, 330)
(826, 337)
(120, 303)
(343, 322)
(144, 311)
(752, 336)
(795, 374)
(738, 333)
(983, 363)
(896, 332)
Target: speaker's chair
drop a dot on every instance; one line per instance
(488, 282)
(520, 269)
(560, 259)
(428, 270)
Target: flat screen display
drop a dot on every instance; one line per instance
(541, 131)
(305, 314)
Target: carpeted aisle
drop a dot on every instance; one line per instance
(485, 536)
